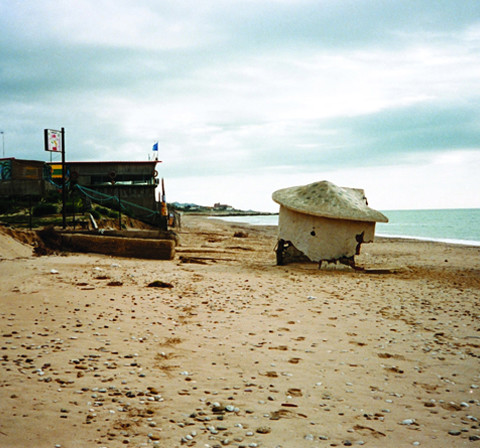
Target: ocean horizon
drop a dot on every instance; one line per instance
(455, 226)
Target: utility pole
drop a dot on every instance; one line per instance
(3, 143)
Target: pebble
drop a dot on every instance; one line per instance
(408, 421)
(454, 432)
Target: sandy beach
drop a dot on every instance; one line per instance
(221, 347)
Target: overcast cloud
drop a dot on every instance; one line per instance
(245, 97)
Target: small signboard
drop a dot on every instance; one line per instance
(53, 140)
(56, 171)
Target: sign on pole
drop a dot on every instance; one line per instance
(53, 140)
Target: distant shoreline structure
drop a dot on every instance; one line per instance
(217, 210)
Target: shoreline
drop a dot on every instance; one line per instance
(455, 241)
(231, 350)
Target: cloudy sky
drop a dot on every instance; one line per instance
(248, 96)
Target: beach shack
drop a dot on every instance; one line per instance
(21, 178)
(322, 222)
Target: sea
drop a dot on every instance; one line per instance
(455, 226)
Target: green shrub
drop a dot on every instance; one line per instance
(53, 196)
(102, 210)
(78, 206)
(6, 206)
(95, 214)
(44, 208)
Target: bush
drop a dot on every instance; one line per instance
(78, 206)
(102, 211)
(6, 206)
(44, 208)
(95, 214)
(53, 196)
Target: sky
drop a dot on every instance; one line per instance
(249, 96)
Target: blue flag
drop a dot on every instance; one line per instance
(155, 147)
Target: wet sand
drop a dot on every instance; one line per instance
(228, 349)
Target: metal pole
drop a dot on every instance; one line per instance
(73, 205)
(64, 190)
(119, 210)
(3, 143)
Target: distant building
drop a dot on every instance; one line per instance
(219, 206)
(21, 178)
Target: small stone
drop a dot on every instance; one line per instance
(309, 437)
(229, 408)
(408, 421)
(454, 432)
(264, 430)
(474, 438)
